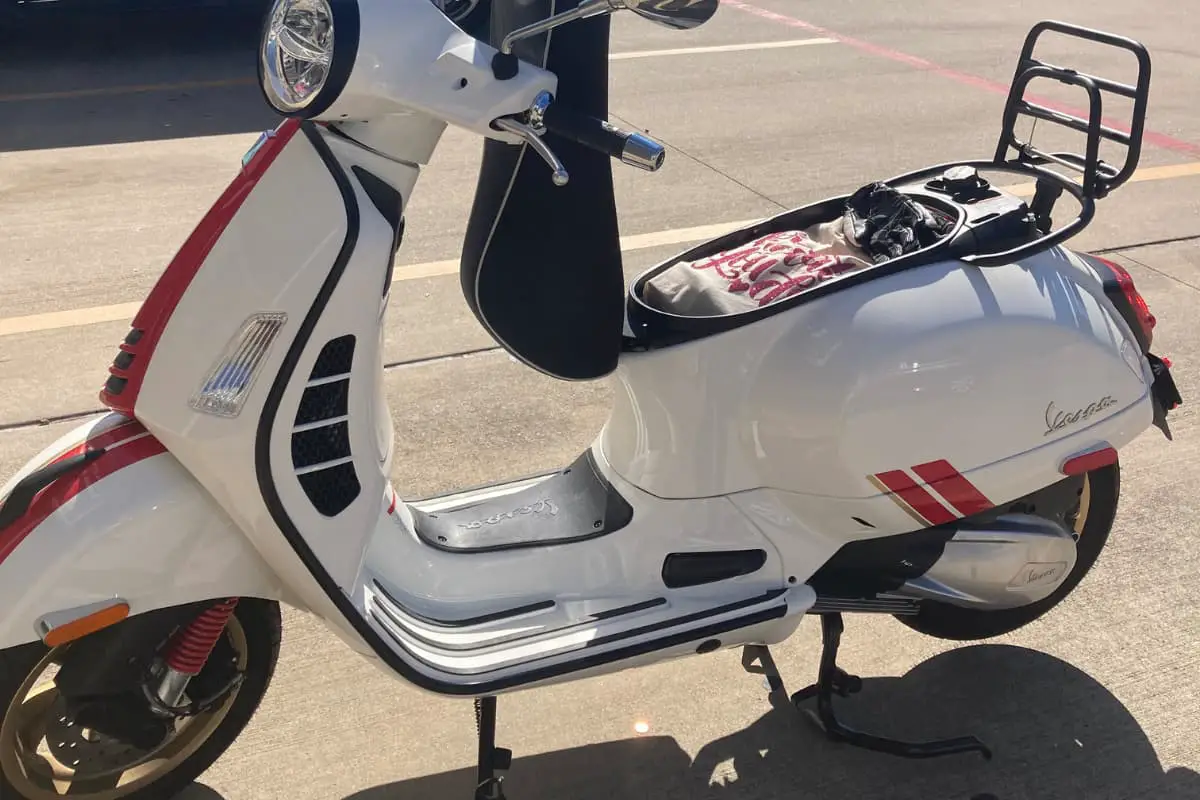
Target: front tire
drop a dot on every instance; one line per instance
(1091, 519)
(40, 746)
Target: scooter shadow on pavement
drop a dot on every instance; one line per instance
(1057, 735)
(198, 791)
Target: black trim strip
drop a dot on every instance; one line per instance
(632, 633)
(468, 622)
(630, 609)
(381, 610)
(390, 204)
(510, 613)
(684, 620)
(22, 495)
(1116, 297)
(360, 624)
(601, 659)
(625, 610)
(383, 196)
(507, 641)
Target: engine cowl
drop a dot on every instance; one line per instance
(1014, 560)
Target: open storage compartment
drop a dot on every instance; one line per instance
(794, 253)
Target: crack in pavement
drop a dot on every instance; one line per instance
(41, 422)
(1157, 271)
(1148, 243)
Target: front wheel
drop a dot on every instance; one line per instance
(1087, 506)
(45, 755)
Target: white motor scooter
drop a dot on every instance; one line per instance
(930, 432)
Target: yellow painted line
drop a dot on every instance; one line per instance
(109, 91)
(34, 323)
(1148, 174)
(54, 320)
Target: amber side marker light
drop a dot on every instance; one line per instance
(78, 628)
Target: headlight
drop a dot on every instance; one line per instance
(307, 50)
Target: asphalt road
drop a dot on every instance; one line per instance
(117, 135)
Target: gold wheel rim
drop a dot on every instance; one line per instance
(30, 766)
(1085, 502)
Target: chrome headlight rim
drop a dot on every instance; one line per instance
(346, 30)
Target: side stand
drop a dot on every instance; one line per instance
(833, 680)
(492, 759)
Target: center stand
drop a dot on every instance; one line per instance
(831, 680)
(756, 659)
(492, 759)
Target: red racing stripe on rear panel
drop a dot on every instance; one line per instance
(959, 492)
(921, 501)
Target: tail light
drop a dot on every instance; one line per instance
(1131, 304)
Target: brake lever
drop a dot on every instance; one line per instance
(559, 175)
(531, 131)
(530, 126)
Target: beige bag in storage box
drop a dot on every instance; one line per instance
(762, 271)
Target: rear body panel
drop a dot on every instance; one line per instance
(998, 374)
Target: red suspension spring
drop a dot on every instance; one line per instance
(192, 646)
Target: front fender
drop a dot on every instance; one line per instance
(131, 524)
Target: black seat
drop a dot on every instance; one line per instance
(541, 264)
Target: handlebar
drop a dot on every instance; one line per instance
(630, 147)
(543, 116)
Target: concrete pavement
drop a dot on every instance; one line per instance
(102, 177)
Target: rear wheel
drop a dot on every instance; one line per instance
(45, 754)
(1087, 506)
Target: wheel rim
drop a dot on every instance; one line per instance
(1085, 504)
(45, 756)
(1067, 503)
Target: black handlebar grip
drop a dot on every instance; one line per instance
(587, 131)
(635, 149)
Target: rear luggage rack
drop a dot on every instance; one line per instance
(1099, 178)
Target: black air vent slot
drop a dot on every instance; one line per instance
(336, 358)
(321, 452)
(694, 569)
(331, 490)
(324, 401)
(319, 445)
